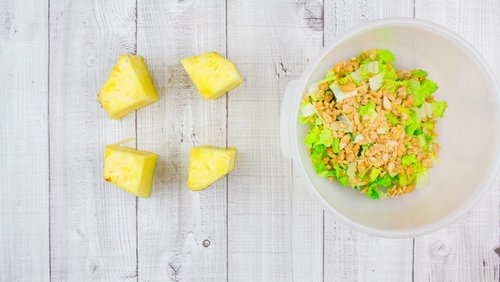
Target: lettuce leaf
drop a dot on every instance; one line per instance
(335, 145)
(312, 136)
(373, 192)
(385, 181)
(330, 76)
(413, 85)
(305, 119)
(408, 159)
(391, 118)
(389, 73)
(385, 55)
(374, 173)
(392, 85)
(422, 90)
(339, 171)
(341, 174)
(344, 180)
(404, 109)
(402, 180)
(438, 108)
(428, 87)
(412, 123)
(365, 147)
(425, 141)
(317, 120)
(307, 109)
(313, 88)
(317, 155)
(368, 109)
(325, 137)
(317, 137)
(419, 73)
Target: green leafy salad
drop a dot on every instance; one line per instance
(372, 127)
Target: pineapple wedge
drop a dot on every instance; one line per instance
(128, 88)
(130, 169)
(213, 74)
(209, 164)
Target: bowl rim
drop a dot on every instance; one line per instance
(492, 170)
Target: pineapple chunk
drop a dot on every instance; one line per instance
(212, 74)
(130, 169)
(128, 88)
(209, 164)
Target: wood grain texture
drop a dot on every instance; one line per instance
(259, 224)
(182, 234)
(306, 234)
(274, 229)
(465, 250)
(93, 224)
(306, 226)
(306, 215)
(24, 174)
(350, 255)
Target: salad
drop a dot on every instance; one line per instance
(372, 127)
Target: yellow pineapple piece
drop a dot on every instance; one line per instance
(128, 88)
(213, 74)
(209, 164)
(130, 169)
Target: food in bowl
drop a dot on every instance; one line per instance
(372, 127)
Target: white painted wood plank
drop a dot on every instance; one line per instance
(307, 233)
(464, 251)
(182, 234)
(306, 214)
(306, 228)
(350, 255)
(275, 230)
(93, 224)
(24, 192)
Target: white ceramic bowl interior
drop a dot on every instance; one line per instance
(469, 134)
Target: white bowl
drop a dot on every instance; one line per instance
(469, 134)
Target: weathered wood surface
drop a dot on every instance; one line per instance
(182, 234)
(59, 221)
(92, 224)
(24, 157)
(465, 250)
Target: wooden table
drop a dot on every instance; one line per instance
(60, 221)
